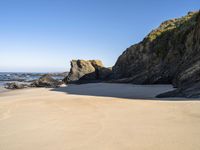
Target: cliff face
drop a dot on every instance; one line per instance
(169, 54)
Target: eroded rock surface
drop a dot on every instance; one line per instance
(15, 85)
(169, 54)
(87, 71)
(46, 81)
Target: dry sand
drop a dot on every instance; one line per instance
(98, 117)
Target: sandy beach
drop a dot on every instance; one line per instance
(2, 90)
(98, 117)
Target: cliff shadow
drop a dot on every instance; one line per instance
(127, 91)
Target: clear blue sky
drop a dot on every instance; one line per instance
(44, 35)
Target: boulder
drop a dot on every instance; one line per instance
(46, 81)
(192, 91)
(14, 85)
(87, 71)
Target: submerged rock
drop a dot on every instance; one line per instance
(46, 81)
(87, 71)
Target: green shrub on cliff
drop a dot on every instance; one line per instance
(167, 26)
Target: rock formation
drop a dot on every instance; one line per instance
(169, 54)
(46, 81)
(87, 71)
(15, 85)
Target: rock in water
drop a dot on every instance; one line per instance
(169, 54)
(46, 81)
(87, 71)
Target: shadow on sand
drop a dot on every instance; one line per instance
(128, 91)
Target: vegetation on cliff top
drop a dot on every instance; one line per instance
(169, 25)
(171, 32)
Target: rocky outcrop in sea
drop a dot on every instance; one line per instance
(46, 80)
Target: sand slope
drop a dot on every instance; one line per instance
(96, 117)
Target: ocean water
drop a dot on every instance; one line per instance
(6, 77)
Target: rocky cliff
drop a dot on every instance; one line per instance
(169, 54)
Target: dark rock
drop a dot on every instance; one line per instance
(14, 85)
(104, 73)
(192, 91)
(170, 54)
(86, 71)
(46, 81)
